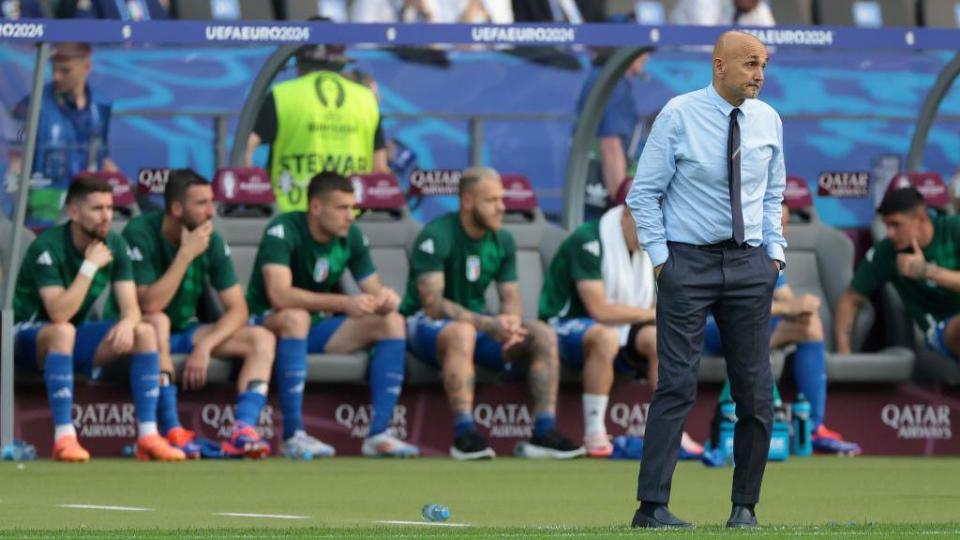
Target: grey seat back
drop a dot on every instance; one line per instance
(788, 12)
(261, 10)
(940, 13)
(819, 262)
(300, 10)
(242, 235)
(537, 240)
(390, 236)
(646, 11)
(841, 12)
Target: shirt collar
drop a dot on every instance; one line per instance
(64, 103)
(723, 105)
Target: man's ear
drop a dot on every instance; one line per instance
(72, 211)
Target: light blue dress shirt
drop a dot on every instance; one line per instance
(684, 161)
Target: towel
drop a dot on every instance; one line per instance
(627, 278)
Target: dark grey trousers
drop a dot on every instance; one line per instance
(737, 284)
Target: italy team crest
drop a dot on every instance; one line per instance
(320, 270)
(473, 267)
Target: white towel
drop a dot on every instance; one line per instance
(627, 279)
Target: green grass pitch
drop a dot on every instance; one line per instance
(349, 498)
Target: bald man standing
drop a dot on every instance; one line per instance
(715, 156)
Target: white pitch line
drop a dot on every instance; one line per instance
(274, 516)
(101, 507)
(427, 523)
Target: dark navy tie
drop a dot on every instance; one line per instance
(733, 176)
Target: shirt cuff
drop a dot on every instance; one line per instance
(775, 251)
(658, 254)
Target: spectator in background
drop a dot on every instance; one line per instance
(618, 135)
(569, 11)
(434, 11)
(22, 9)
(379, 11)
(376, 11)
(722, 13)
(71, 133)
(478, 11)
(320, 121)
(335, 10)
(127, 10)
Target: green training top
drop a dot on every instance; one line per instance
(52, 260)
(315, 267)
(468, 265)
(926, 302)
(578, 259)
(152, 255)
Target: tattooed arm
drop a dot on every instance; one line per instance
(430, 287)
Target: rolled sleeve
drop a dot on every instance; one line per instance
(773, 238)
(655, 169)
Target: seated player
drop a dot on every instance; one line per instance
(599, 295)
(455, 257)
(64, 270)
(175, 252)
(796, 321)
(920, 258)
(301, 259)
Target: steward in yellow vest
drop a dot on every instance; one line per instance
(320, 121)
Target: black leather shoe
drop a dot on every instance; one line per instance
(742, 518)
(660, 518)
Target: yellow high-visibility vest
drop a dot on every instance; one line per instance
(325, 122)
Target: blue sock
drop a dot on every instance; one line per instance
(462, 423)
(386, 379)
(810, 374)
(291, 378)
(543, 423)
(249, 404)
(145, 385)
(167, 416)
(58, 374)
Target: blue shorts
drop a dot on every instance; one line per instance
(319, 335)
(570, 335)
(422, 335)
(936, 339)
(712, 346)
(88, 338)
(182, 342)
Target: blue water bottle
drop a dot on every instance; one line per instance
(802, 444)
(780, 434)
(435, 512)
(728, 418)
(19, 451)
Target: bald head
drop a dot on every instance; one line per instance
(733, 41)
(739, 60)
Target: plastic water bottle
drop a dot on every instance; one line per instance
(19, 451)
(129, 450)
(802, 443)
(728, 418)
(304, 455)
(435, 512)
(780, 433)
